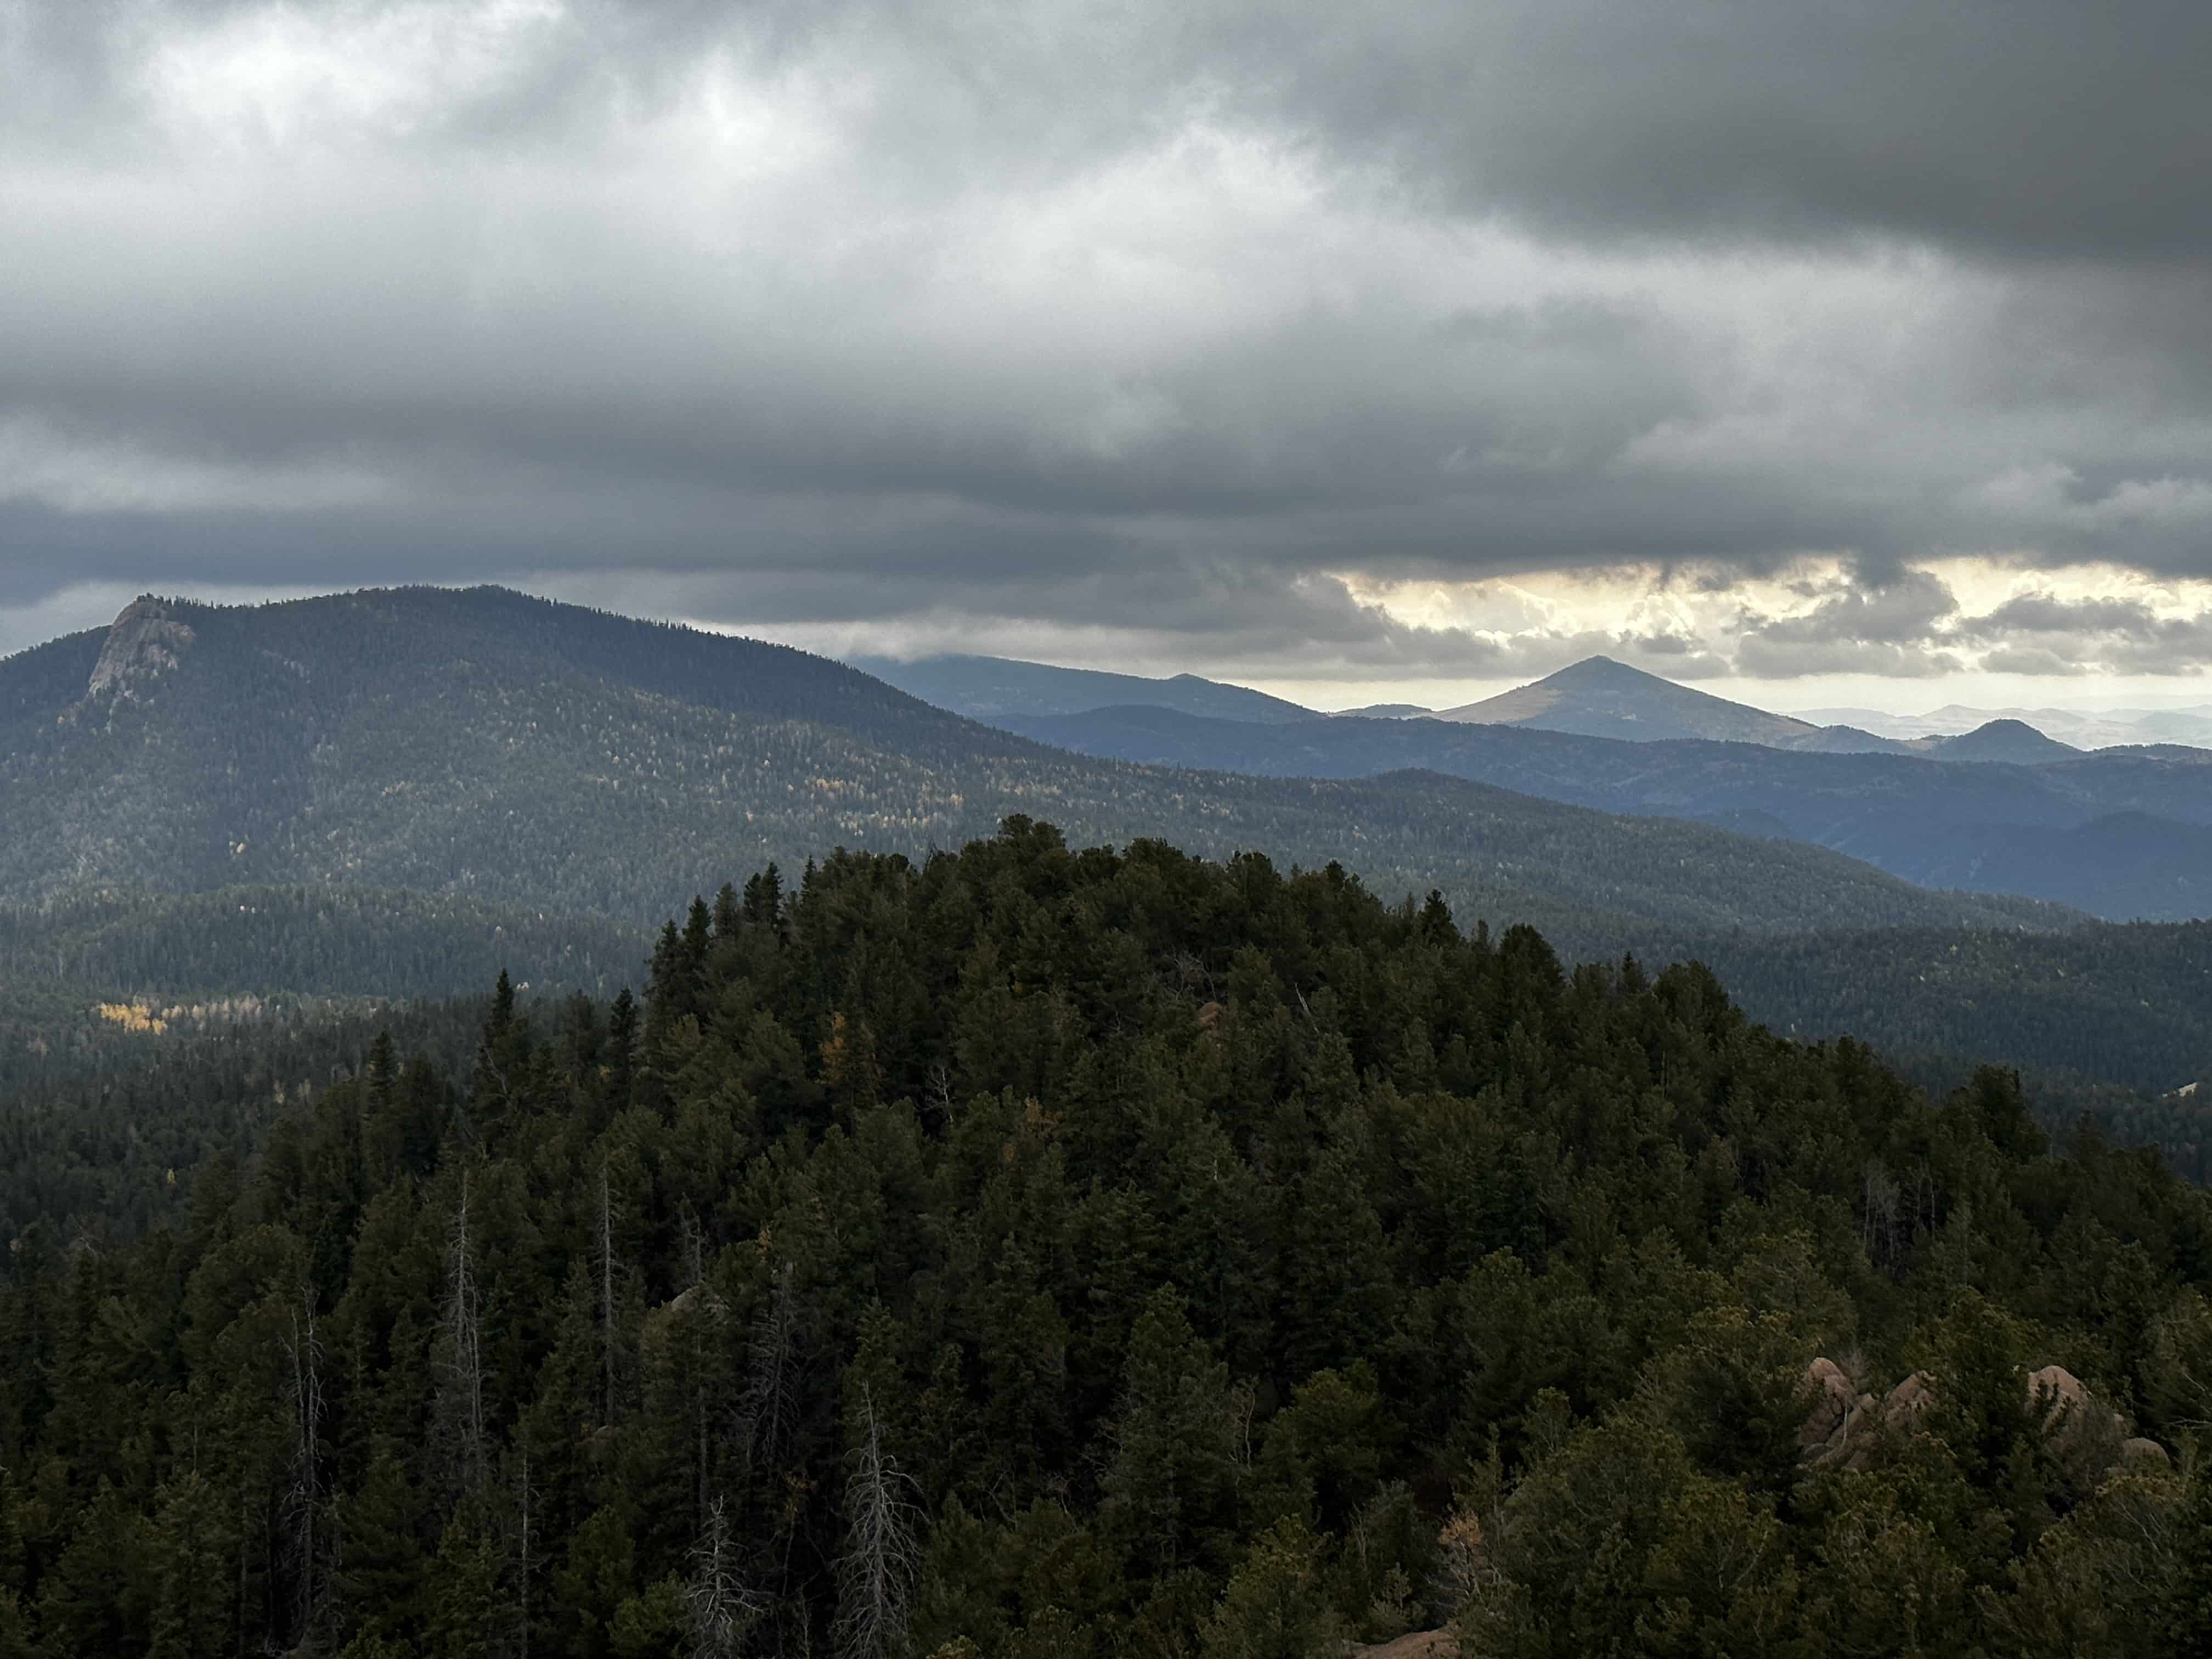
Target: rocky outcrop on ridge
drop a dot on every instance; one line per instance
(1834, 1403)
(143, 644)
(1842, 1425)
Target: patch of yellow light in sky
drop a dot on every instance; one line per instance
(1981, 584)
(1708, 605)
(1556, 617)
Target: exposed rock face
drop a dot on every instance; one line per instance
(2057, 1398)
(2085, 1433)
(1831, 1403)
(1908, 1402)
(143, 644)
(2144, 1451)
(661, 1323)
(2088, 1434)
(1839, 1421)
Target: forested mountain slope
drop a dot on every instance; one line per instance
(88, 984)
(1041, 1252)
(519, 753)
(101, 1145)
(2120, 833)
(2129, 1005)
(330, 941)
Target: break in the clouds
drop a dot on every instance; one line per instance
(1417, 339)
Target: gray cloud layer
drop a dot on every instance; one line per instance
(1148, 318)
(2039, 128)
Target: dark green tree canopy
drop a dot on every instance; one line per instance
(1036, 1249)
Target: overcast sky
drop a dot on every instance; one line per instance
(1805, 350)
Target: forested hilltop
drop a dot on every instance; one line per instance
(1031, 1252)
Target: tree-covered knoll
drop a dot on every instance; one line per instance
(1035, 1252)
(518, 753)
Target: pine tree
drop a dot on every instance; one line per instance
(764, 900)
(502, 1077)
(380, 1525)
(620, 1052)
(1169, 1491)
(1276, 1605)
(194, 1616)
(465, 1604)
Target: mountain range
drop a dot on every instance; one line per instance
(2106, 728)
(2123, 833)
(1595, 697)
(514, 751)
(393, 793)
(1599, 697)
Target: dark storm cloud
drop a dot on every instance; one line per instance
(1151, 318)
(2042, 127)
(2039, 128)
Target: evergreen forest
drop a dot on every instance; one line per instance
(1026, 1251)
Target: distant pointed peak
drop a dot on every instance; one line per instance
(1601, 697)
(1602, 664)
(2004, 738)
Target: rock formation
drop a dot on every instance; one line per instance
(1908, 1402)
(1842, 1425)
(2139, 1450)
(1840, 1422)
(1833, 1400)
(2056, 1396)
(144, 643)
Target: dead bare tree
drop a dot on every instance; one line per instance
(695, 1247)
(305, 1546)
(1878, 1231)
(462, 1409)
(771, 1407)
(723, 1606)
(939, 1081)
(525, 1559)
(768, 1430)
(606, 1253)
(877, 1570)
